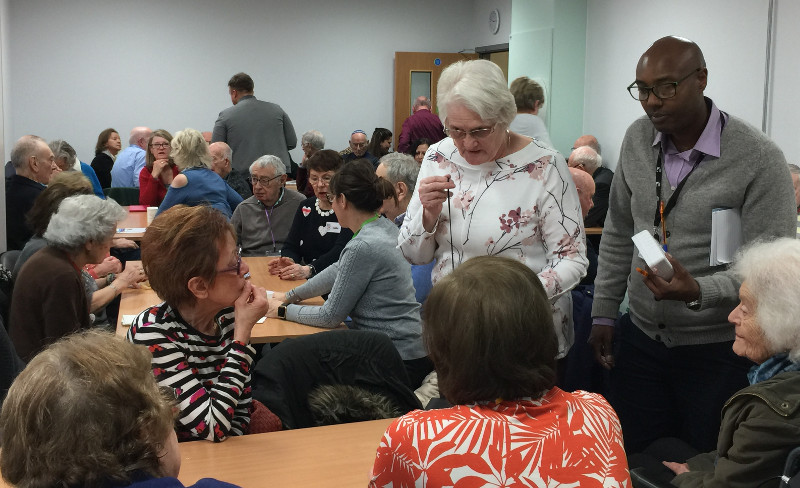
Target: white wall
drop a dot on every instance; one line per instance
(731, 33)
(784, 122)
(165, 64)
(481, 35)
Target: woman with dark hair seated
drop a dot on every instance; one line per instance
(316, 238)
(418, 148)
(489, 331)
(159, 169)
(380, 142)
(200, 335)
(760, 423)
(371, 282)
(105, 153)
(87, 412)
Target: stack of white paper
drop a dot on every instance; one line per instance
(726, 235)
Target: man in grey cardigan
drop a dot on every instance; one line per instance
(674, 367)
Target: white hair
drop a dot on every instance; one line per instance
(401, 167)
(588, 157)
(479, 85)
(81, 219)
(770, 270)
(227, 152)
(189, 150)
(314, 138)
(269, 161)
(24, 148)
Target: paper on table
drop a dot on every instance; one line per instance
(131, 230)
(726, 235)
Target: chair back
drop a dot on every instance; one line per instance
(125, 196)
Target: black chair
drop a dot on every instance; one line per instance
(123, 195)
(791, 470)
(288, 373)
(9, 258)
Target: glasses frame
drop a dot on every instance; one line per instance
(458, 134)
(262, 183)
(237, 268)
(330, 197)
(160, 144)
(320, 180)
(650, 89)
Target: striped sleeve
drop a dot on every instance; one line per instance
(211, 376)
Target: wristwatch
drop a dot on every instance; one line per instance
(312, 269)
(282, 312)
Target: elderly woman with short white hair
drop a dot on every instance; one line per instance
(760, 423)
(197, 184)
(311, 142)
(49, 299)
(511, 195)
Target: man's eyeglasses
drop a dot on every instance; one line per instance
(459, 134)
(160, 144)
(263, 181)
(237, 268)
(662, 91)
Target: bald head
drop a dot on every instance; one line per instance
(587, 140)
(221, 155)
(585, 186)
(421, 103)
(585, 158)
(682, 113)
(139, 137)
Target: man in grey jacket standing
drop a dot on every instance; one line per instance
(674, 367)
(252, 127)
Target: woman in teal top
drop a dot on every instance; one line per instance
(197, 184)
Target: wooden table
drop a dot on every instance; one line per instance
(133, 301)
(135, 220)
(338, 456)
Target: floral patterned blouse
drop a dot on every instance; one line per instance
(523, 206)
(561, 439)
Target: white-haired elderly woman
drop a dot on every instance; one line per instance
(262, 222)
(67, 160)
(511, 195)
(760, 423)
(311, 142)
(49, 299)
(197, 184)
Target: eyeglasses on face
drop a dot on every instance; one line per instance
(237, 267)
(358, 144)
(330, 197)
(263, 181)
(324, 181)
(662, 91)
(160, 144)
(459, 134)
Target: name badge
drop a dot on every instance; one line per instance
(334, 227)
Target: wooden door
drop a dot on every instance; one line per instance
(417, 74)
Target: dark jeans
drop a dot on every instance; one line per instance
(672, 392)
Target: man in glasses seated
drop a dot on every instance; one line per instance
(684, 160)
(262, 221)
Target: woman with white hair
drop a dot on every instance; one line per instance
(485, 190)
(49, 299)
(67, 160)
(311, 142)
(760, 423)
(197, 184)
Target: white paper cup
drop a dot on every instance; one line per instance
(270, 294)
(151, 214)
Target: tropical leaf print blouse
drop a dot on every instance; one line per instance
(560, 440)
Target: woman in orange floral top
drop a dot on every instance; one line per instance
(511, 426)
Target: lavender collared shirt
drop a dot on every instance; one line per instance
(677, 165)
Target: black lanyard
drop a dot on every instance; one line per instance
(673, 199)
